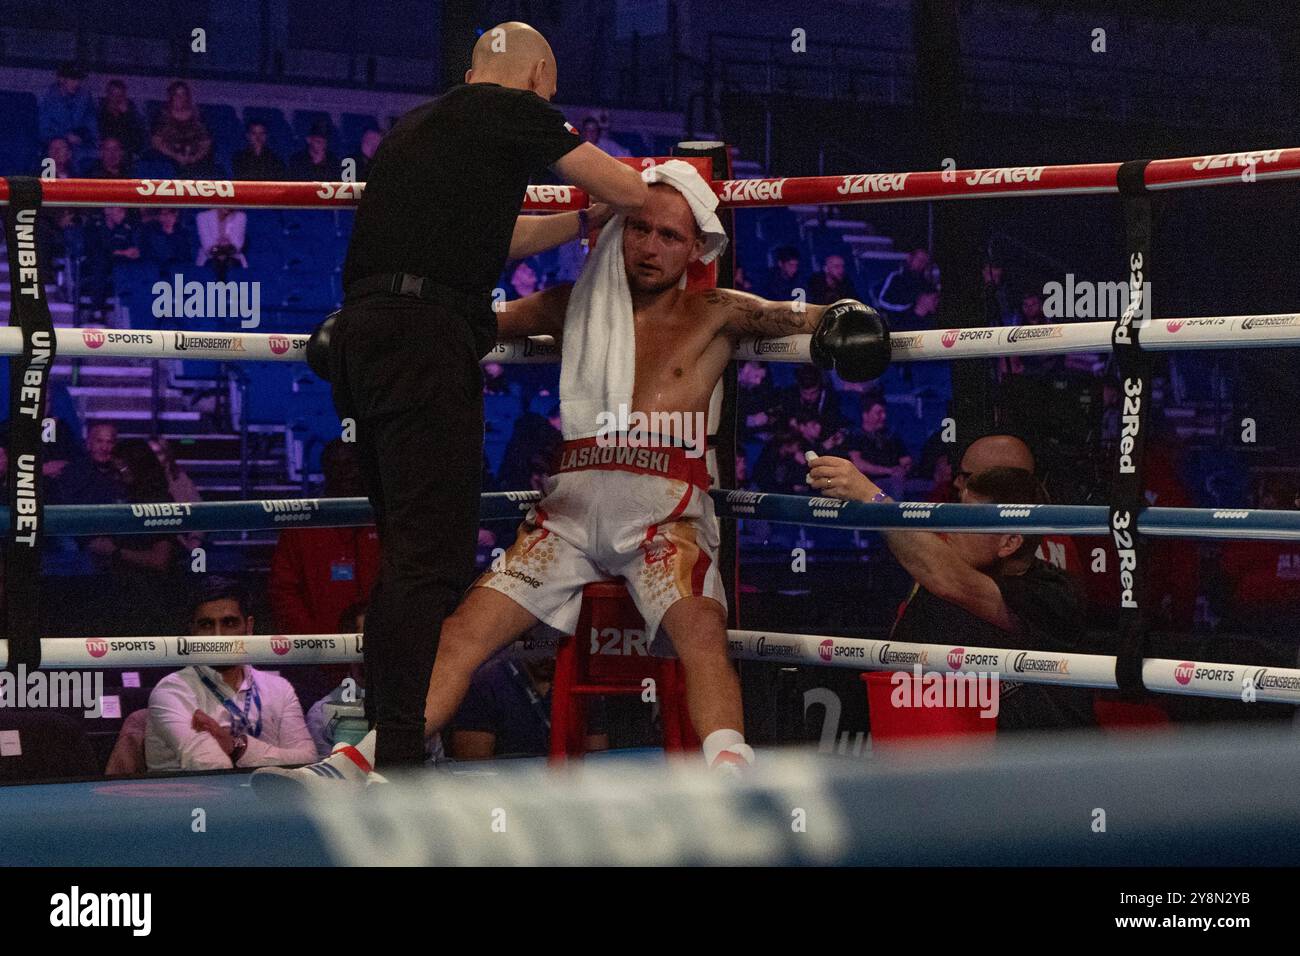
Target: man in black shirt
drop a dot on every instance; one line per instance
(434, 227)
(984, 590)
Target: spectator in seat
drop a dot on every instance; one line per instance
(120, 120)
(370, 141)
(758, 401)
(781, 466)
(216, 718)
(60, 151)
(925, 309)
(997, 305)
(110, 240)
(740, 281)
(167, 242)
(257, 161)
(60, 452)
(221, 239)
(181, 136)
(784, 282)
(811, 398)
(113, 161)
(507, 711)
(905, 284)
(317, 573)
(876, 451)
(66, 111)
(832, 283)
(315, 162)
(94, 478)
(144, 567)
(596, 134)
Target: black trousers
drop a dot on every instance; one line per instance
(406, 373)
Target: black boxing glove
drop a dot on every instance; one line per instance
(852, 339)
(318, 347)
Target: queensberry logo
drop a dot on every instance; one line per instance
(1026, 333)
(767, 648)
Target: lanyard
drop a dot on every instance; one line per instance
(535, 700)
(239, 720)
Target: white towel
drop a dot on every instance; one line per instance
(598, 356)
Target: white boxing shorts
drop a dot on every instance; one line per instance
(641, 514)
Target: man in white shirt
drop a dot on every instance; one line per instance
(216, 718)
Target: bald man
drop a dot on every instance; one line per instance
(1011, 451)
(434, 227)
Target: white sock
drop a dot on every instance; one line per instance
(731, 741)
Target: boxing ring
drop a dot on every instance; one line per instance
(876, 810)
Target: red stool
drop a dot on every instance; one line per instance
(894, 726)
(609, 655)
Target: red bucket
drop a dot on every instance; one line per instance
(891, 724)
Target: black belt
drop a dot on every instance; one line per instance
(419, 287)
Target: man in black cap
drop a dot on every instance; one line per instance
(435, 225)
(315, 162)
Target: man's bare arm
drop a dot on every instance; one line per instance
(938, 569)
(541, 313)
(739, 314)
(534, 234)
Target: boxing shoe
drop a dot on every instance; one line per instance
(347, 768)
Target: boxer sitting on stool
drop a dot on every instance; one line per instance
(640, 509)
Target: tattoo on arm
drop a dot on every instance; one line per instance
(744, 314)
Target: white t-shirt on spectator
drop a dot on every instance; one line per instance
(172, 743)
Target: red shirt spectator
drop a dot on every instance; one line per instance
(1260, 580)
(318, 573)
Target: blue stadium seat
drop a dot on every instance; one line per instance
(227, 132)
(19, 145)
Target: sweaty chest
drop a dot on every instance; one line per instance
(678, 357)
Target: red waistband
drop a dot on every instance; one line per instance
(609, 454)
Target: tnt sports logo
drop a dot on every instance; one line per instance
(281, 645)
(1184, 671)
(1173, 325)
(826, 650)
(951, 337)
(93, 338)
(955, 656)
(96, 647)
(279, 344)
